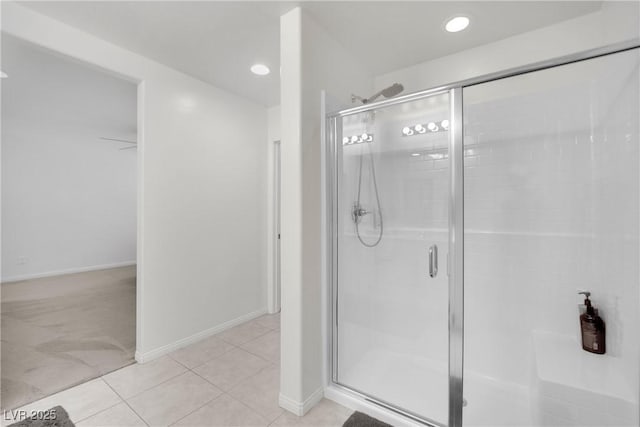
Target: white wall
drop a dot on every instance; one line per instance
(615, 22)
(68, 198)
(201, 189)
(309, 60)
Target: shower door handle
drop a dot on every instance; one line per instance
(433, 261)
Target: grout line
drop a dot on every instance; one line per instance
(260, 356)
(210, 382)
(126, 403)
(153, 386)
(233, 386)
(233, 347)
(101, 410)
(277, 418)
(177, 361)
(199, 407)
(252, 339)
(248, 378)
(251, 409)
(271, 362)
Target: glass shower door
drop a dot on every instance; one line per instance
(391, 285)
(552, 208)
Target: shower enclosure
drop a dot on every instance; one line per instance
(465, 220)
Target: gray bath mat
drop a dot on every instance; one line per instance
(358, 419)
(54, 417)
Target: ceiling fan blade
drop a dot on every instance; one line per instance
(118, 140)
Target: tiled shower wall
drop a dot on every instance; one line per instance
(551, 207)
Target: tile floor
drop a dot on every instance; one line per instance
(230, 379)
(64, 330)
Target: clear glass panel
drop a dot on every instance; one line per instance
(551, 207)
(392, 332)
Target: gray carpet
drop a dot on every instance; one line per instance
(54, 417)
(358, 419)
(65, 330)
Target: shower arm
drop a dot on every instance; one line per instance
(355, 98)
(373, 97)
(388, 92)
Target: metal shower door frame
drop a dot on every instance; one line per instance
(334, 128)
(456, 217)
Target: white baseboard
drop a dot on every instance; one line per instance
(300, 408)
(67, 271)
(166, 349)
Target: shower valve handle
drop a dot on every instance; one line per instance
(360, 212)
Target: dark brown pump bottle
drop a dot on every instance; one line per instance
(592, 327)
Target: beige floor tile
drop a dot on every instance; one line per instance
(325, 414)
(271, 321)
(260, 392)
(120, 415)
(135, 379)
(267, 346)
(201, 352)
(174, 399)
(231, 368)
(243, 333)
(80, 402)
(225, 411)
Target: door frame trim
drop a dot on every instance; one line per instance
(455, 266)
(274, 289)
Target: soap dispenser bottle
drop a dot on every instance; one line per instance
(592, 328)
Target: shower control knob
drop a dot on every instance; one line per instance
(361, 212)
(358, 212)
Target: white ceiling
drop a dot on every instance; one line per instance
(218, 41)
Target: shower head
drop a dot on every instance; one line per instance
(392, 90)
(388, 92)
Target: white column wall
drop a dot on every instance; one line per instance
(311, 62)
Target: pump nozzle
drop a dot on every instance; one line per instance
(587, 302)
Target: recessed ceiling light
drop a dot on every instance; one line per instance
(260, 69)
(456, 24)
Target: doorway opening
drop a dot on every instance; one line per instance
(276, 305)
(69, 222)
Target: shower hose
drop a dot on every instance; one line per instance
(375, 188)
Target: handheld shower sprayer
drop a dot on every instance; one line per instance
(358, 211)
(388, 92)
